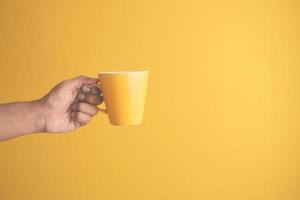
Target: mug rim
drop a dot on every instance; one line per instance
(123, 71)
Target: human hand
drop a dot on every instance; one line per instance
(71, 104)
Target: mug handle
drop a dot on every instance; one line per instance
(104, 110)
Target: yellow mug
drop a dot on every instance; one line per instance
(124, 95)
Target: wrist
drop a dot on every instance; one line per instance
(39, 115)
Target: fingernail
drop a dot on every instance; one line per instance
(80, 96)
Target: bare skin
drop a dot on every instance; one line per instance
(68, 106)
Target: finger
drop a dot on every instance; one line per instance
(86, 88)
(82, 118)
(90, 98)
(91, 89)
(93, 99)
(95, 90)
(80, 96)
(85, 108)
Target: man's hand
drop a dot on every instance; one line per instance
(71, 104)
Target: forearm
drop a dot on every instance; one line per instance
(20, 118)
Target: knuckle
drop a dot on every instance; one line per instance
(64, 82)
(67, 83)
(81, 96)
(81, 77)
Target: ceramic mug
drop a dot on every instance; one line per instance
(124, 95)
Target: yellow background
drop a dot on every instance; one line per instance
(223, 105)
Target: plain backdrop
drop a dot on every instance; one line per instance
(223, 103)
